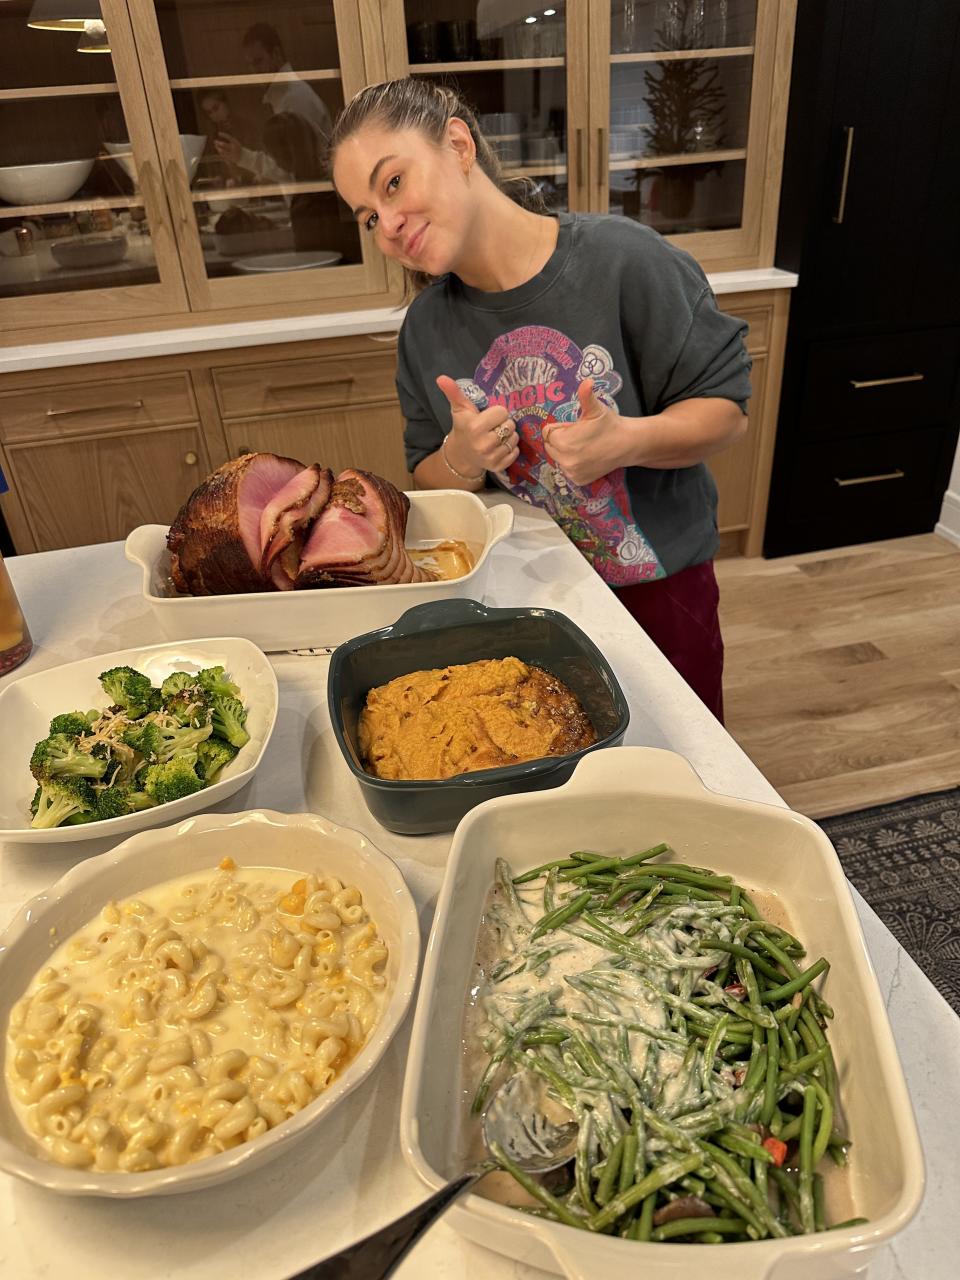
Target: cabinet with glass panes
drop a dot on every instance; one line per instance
(78, 239)
(659, 110)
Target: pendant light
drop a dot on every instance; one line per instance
(62, 15)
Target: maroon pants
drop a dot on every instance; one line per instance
(679, 614)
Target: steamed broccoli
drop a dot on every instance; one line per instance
(130, 690)
(229, 717)
(35, 802)
(214, 680)
(189, 707)
(212, 755)
(144, 737)
(59, 756)
(179, 741)
(60, 799)
(171, 781)
(75, 724)
(114, 802)
(176, 682)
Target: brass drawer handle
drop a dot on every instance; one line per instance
(848, 155)
(859, 383)
(190, 458)
(93, 408)
(384, 337)
(883, 475)
(315, 382)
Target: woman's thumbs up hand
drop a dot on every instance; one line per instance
(480, 439)
(593, 446)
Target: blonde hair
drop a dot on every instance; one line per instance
(428, 107)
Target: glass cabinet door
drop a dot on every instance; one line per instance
(84, 226)
(244, 96)
(679, 123)
(513, 65)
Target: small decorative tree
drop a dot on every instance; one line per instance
(687, 104)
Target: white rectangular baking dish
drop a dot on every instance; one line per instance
(618, 802)
(320, 618)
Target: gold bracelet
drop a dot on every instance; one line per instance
(453, 470)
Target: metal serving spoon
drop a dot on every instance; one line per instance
(515, 1120)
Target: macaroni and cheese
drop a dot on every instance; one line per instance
(194, 1017)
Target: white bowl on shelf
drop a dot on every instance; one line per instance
(191, 144)
(300, 842)
(28, 184)
(29, 703)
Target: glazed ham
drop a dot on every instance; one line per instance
(285, 520)
(264, 522)
(359, 537)
(214, 542)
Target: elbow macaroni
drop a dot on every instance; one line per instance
(194, 1018)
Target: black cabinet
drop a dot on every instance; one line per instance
(870, 219)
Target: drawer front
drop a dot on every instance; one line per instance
(760, 320)
(292, 385)
(867, 483)
(880, 384)
(98, 488)
(368, 438)
(78, 408)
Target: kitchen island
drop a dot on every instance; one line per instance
(349, 1177)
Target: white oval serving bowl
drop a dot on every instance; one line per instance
(29, 703)
(301, 842)
(43, 183)
(322, 618)
(618, 802)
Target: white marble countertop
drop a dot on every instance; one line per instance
(258, 333)
(350, 1177)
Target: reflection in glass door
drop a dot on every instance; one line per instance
(71, 216)
(256, 89)
(680, 95)
(509, 61)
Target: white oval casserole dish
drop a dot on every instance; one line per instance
(324, 618)
(302, 842)
(618, 802)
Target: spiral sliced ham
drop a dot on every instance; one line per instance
(285, 520)
(214, 542)
(268, 523)
(359, 537)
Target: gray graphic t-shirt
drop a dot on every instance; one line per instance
(616, 303)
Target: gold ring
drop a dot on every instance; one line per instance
(503, 431)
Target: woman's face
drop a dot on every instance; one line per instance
(410, 194)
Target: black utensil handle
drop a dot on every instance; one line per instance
(377, 1255)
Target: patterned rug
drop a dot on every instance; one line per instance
(905, 860)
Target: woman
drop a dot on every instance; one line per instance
(581, 359)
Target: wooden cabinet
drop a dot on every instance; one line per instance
(742, 472)
(91, 457)
(97, 487)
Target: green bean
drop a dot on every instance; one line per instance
(588, 868)
(734, 949)
(719, 1227)
(535, 872)
(659, 1177)
(642, 1227)
(713, 1041)
(741, 1147)
(770, 1081)
(611, 1173)
(561, 915)
(653, 852)
(805, 1160)
(533, 1188)
(580, 1168)
(534, 1012)
(802, 1065)
(787, 1187)
(819, 1211)
(774, 995)
(624, 887)
(743, 1185)
(628, 1161)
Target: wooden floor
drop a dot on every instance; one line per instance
(842, 676)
